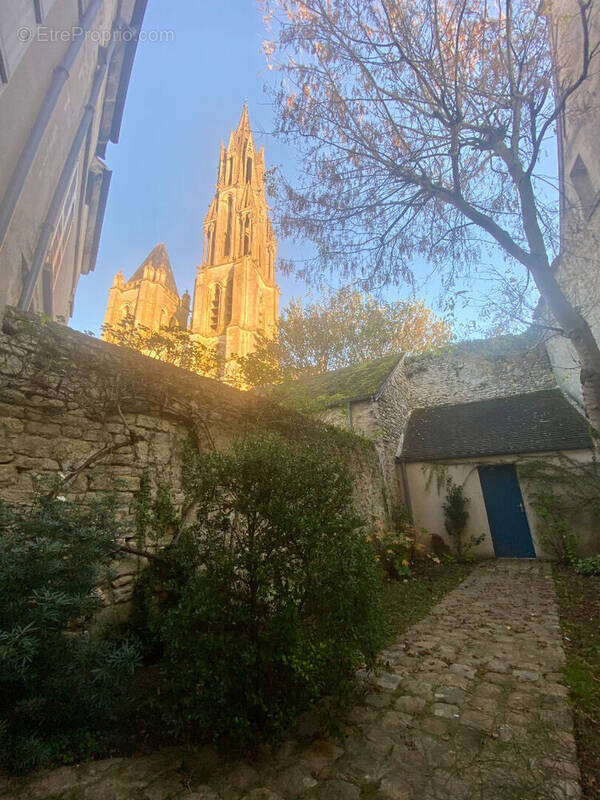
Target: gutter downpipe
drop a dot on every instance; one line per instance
(406, 489)
(29, 152)
(49, 223)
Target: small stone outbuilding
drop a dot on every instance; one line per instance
(482, 446)
(473, 412)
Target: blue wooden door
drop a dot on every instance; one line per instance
(506, 513)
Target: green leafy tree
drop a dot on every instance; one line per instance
(423, 127)
(58, 684)
(273, 596)
(342, 328)
(172, 344)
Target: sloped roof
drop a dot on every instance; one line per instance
(338, 386)
(158, 257)
(526, 423)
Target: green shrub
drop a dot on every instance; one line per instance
(273, 599)
(398, 552)
(58, 684)
(456, 516)
(565, 494)
(587, 566)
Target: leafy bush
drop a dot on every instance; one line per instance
(456, 516)
(397, 551)
(586, 566)
(171, 344)
(273, 597)
(58, 684)
(565, 494)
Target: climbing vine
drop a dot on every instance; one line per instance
(560, 491)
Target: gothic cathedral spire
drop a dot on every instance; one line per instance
(235, 296)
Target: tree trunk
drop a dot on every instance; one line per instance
(580, 334)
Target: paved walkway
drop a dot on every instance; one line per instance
(471, 705)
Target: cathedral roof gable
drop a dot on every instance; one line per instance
(158, 257)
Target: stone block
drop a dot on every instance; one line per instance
(8, 410)
(8, 475)
(29, 445)
(388, 680)
(418, 688)
(292, 781)
(478, 720)
(378, 699)
(410, 704)
(526, 675)
(395, 786)
(450, 694)
(48, 429)
(12, 425)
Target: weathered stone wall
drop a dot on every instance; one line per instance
(380, 419)
(73, 404)
(392, 409)
(479, 370)
(469, 371)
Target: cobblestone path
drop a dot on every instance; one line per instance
(471, 704)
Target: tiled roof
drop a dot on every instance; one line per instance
(525, 423)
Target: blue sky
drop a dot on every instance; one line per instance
(186, 94)
(184, 97)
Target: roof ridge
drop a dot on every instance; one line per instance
(158, 257)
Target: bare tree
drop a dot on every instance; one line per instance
(423, 125)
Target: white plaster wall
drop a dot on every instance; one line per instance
(20, 101)
(426, 500)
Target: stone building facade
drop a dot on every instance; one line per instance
(150, 297)
(64, 73)
(475, 406)
(236, 297)
(579, 184)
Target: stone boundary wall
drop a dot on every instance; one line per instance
(479, 370)
(70, 403)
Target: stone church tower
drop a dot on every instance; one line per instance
(150, 297)
(235, 295)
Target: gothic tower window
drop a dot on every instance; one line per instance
(164, 318)
(230, 169)
(247, 235)
(248, 170)
(211, 257)
(208, 243)
(125, 312)
(215, 308)
(229, 232)
(229, 300)
(583, 185)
